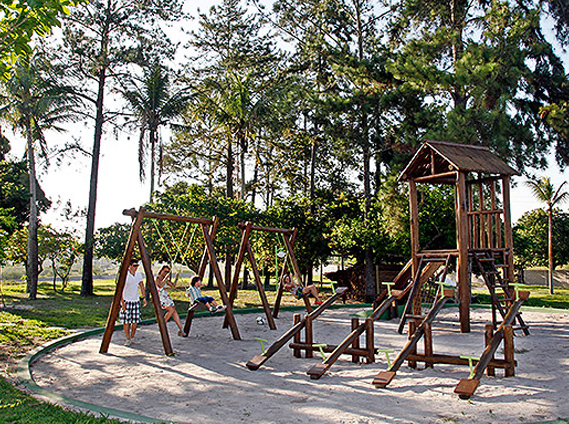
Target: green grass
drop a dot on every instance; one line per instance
(539, 297)
(18, 407)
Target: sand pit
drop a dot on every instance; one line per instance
(207, 381)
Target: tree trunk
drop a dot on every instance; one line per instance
(87, 278)
(230, 166)
(152, 164)
(32, 251)
(550, 248)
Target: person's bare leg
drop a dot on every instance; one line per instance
(132, 330)
(177, 319)
(126, 331)
(169, 312)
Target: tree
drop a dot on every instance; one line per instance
(62, 250)
(21, 21)
(235, 69)
(486, 66)
(531, 239)
(153, 105)
(545, 192)
(103, 39)
(34, 103)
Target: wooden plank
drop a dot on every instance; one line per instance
(466, 387)
(167, 217)
(260, 287)
(319, 370)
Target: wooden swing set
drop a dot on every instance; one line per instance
(208, 230)
(288, 236)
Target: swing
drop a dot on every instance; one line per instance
(208, 227)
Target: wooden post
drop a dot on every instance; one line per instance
(462, 246)
(510, 368)
(370, 347)
(414, 217)
(154, 295)
(296, 338)
(115, 306)
(428, 344)
(508, 236)
(220, 284)
(488, 334)
(356, 342)
(309, 339)
(240, 257)
(412, 328)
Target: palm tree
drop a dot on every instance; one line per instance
(153, 106)
(33, 103)
(545, 192)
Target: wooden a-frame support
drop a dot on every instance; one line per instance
(289, 236)
(208, 227)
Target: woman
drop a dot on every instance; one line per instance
(162, 282)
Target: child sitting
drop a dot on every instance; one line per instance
(298, 291)
(195, 294)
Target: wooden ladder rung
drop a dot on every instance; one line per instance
(411, 316)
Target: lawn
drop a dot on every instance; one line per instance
(26, 324)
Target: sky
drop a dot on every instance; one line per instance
(120, 186)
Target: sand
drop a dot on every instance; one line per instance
(207, 381)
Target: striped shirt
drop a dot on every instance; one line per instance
(193, 293)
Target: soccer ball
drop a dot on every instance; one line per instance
(260, 321)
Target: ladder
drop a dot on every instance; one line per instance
(485, 262)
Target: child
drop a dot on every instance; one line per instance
(162, 281)
(129, 314)
(195, 294)
(298, 291)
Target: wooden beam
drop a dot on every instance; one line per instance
(164, 216)
(508, 236)
(462, 246)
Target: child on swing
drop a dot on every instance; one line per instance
(163, 281)
(195, 294)
(298, 291)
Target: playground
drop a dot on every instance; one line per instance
(206, 381)
(433, 358)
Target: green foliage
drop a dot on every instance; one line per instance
(437, 221)
(487, 65)
(21, 21)
(530, 238)
(110, 241)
